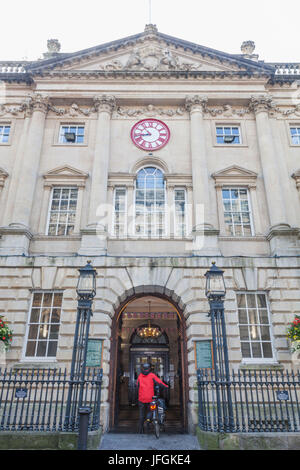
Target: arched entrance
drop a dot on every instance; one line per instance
(166, 354)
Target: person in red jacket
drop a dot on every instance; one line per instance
(145, 382)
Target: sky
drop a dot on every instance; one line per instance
(223, 25)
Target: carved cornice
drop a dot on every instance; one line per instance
(38, 102)
(227, 111)
(72, 111)
(150, 110)
(235, 175)
(152, 74)
(104, 103)
(261, 103)
(33, 102)
(196, 103)
(65, 174)
(284, 112)
(11, 110)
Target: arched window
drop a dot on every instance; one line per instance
(150, 200)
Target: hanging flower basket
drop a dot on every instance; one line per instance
(293, 334)
(5, 334)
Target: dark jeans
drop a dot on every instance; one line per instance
(143, 410)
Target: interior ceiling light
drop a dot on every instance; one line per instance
(149, 331)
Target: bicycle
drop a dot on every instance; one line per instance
(156, 414)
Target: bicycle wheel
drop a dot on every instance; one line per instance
(156, 429)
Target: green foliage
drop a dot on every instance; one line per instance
(293, 333)
(5, 333)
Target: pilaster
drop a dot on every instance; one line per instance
(205, 234)
(16, 236)
(284, 239)
(94, 235)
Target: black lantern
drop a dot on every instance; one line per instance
(215, 292)
(215, 284)
(86, 286)
(86, 291)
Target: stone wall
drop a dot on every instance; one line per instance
(182, 279)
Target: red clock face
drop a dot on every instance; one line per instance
(150, 134)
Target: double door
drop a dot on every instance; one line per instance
(159, 361)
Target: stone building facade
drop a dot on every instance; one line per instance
(76, 184)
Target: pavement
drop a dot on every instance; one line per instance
(111, 441)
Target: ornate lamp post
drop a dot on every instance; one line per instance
(215, 292)
(86, 291)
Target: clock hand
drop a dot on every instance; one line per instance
(141, 135)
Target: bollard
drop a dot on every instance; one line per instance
(84, 414)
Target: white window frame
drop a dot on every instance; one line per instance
(290, 126)
(116, 188)
(229, 123)
(258, 360)
(10, 125)
(238, 188)
(69, 125)
(177, 232)
(40, 358)
(145, 235)
(49, 209)
(230, 126)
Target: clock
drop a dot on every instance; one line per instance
(150, 134)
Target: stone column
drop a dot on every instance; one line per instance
(45, 208)
(256, 216)
(222, 225)
(17, 235)
(130, 210)
(170, 210)
(206, 236)
(3, 176)
(94, 236)
(16, 172)
(283, 238)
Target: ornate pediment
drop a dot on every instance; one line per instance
(235, 175)
(65, 174)
(150, 51)
(152, 56)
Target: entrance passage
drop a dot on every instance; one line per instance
(148, 332)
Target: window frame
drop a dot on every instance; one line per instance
(77, 127)
(257, 360)
(185, 224)
(223, 135)
(41, 359)
(61, 187)
(237, 187)
(165, 232)
(230, 123)
(125, 234)
(71, 123)
(290, 125)
(11, 126)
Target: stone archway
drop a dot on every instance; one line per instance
(123, 301)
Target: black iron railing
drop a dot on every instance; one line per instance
(260, 401)
(35, 399)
